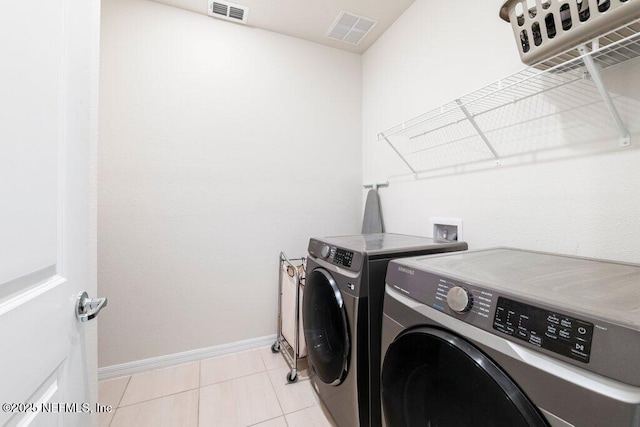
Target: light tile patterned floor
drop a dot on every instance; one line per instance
(242, 389)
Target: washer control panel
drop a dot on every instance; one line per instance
(497, 313)
(463, 298)
(469, 302)
(459, 299)
(556, 332)
(341, 257)
(335, 255)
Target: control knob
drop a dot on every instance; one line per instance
(325, 251)
(459, 299)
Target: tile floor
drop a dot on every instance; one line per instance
(242, 389)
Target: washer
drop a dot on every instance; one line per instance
(342, 313)
(505, 337)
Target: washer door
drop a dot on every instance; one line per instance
(325, 327)
(434, 378)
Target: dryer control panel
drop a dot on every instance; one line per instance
(559, 333)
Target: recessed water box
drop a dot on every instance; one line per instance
(449, 229)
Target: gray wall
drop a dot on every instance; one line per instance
(220, 145)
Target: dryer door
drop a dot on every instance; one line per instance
(325, 327)
(435, 378)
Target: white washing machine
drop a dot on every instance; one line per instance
(506, 337)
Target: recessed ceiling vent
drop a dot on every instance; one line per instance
(229, 11)
(350, 28)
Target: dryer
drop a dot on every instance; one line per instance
(342, 313)
(506, 337)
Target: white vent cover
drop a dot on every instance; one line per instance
(350, 28)
(229, 11)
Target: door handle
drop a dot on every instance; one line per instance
(88, 308)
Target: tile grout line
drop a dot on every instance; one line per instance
(159, 397)
(119, 401)
(279, 353)
(300, 381)
(233, 378)
(276, 393)
(262, 360)
(199, 387)
(198, 409)
(264, 421)
(124, 391)
(170, 378)
(329, 419)
(111, 420)
(259, 375)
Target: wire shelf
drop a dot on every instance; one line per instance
(559, 101)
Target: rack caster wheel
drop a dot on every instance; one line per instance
(292, 378)
(275, 348)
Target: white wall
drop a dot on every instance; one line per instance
(582, 204)
(220, 146)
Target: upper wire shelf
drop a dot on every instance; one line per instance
(561, 99)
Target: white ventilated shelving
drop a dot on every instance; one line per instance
(561, 101)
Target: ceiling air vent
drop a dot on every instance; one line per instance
(229, 11)
(350, 28)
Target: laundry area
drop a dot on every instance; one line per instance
(321, 213)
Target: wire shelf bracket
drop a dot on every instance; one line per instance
(376, 185)
(625, 137)
(480, 132)
(415, 174)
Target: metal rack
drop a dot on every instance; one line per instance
(376, 185)
(292, 350)
(563, 95)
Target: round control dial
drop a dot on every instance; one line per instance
(324, 252)
(459, 299)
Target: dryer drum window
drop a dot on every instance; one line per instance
(433, 377)
(325, 327)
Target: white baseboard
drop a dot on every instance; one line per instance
(145, 365)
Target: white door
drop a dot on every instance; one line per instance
(48, 133)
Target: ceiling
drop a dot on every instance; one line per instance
(310, 19)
